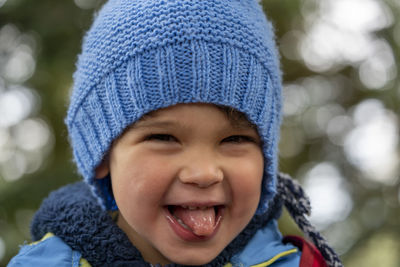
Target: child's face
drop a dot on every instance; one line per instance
(186, 163)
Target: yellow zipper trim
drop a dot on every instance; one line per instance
(46, 236)
(276, 257)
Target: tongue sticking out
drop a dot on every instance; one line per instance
(200, 221)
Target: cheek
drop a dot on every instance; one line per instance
(251, 172)
(246, 183)
(140, 182)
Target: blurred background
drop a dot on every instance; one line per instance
(340, 134)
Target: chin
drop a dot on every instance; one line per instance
(192, 259)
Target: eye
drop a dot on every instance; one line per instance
(161, 138)
(239, 139)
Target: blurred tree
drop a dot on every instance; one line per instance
(340, 135)
(50, 32)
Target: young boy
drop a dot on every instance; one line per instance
(174, 124)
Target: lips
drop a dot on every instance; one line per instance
(194, 222)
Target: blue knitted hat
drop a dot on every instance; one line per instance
(143, 55)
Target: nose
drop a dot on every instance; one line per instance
(202, 171)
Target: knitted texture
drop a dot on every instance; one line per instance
(143, 55)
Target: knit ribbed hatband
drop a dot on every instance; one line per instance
(141, 56)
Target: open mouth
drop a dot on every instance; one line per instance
(195, 222)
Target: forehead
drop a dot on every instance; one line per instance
(182, 112)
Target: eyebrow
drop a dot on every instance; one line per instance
(145, 124)
(155, 124)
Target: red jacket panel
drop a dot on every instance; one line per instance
(310, 255)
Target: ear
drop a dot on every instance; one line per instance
(102, 170)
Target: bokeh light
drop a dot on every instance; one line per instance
(329, 194)
(18, 63)
(372, 146)
(339, 29)
(25, 139)
(16, 104)
(2, 248)
(379, 68)
(296, 99)
(2, 2)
